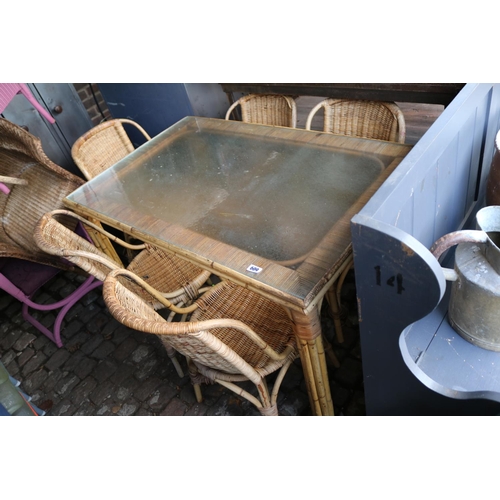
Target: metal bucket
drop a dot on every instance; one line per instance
(474, 308)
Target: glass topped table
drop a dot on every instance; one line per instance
(266, 207)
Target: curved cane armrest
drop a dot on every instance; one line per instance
(89, 255)
(136, 125)
(401, 123)
(152, 291)
(311, 114)
(230, 110)
(99, 229)
(238, 325)
(196, 326)
(13, 180)
(112, 266)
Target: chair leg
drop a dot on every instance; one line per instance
(333, 298)
(131, 254)
(171, 352)
(197, 393)
(334, 306)
(330, 353)
(277, 382)
(64, 305)
(327, 346)
(265, 405)
(193, 373)
(270, 411)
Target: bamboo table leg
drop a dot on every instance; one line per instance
(312, 354)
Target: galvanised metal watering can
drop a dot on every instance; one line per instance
(474, 307)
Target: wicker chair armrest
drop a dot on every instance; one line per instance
(401, 121)
(196, 326)
(313, 111)
(89, 255)
(153, 292)
(230, 110)
(15, 252)
(137, 126)
(13, 180)
(100, 229)
(293, 106)
(402, 128)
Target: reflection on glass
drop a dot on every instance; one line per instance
(238, 195)
(269, 197)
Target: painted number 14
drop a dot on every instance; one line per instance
(396, 281)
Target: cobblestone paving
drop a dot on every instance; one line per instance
(106, 368)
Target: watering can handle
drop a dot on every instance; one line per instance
(452, 239)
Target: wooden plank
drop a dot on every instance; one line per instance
(435, 93)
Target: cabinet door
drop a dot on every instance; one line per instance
(72, 120)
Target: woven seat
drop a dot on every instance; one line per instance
(267, 109)
(176, 279)
(369, 119)
(234, 335)
(31, 184)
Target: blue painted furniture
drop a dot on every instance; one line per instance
(157, 106)
(413, 362)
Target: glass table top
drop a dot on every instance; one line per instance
(241, 195)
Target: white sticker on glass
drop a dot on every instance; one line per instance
(254, 269)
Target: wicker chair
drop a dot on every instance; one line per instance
(31, 184)
(234, 335)
(267, 109)
(176, 279)
(103, 146)
(369, 119)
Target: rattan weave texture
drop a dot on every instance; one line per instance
(47, 184)
(267, 109)
(369, 119)
(166, 273)
(97, 150)
(103, 146)
(170, 276)
(234, 335)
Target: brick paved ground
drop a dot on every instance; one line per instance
(106, 368)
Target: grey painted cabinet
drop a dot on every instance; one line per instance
(64, 104)
(436, 189)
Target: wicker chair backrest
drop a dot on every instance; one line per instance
(103, 146)
(54, 238)
(267, 109)
(368, 119)
(22, 156)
